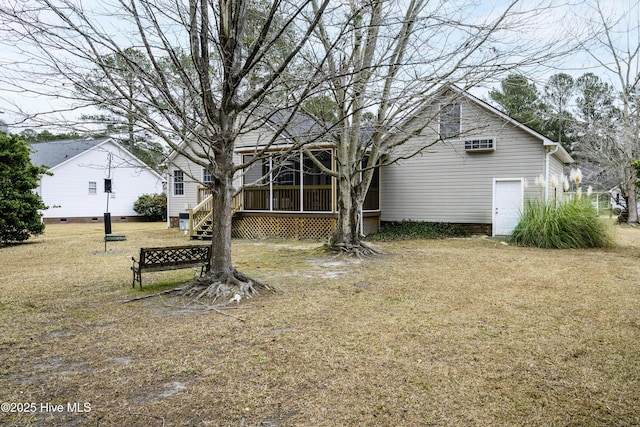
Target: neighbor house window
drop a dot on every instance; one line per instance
(93, 187)
(178, 183)
(206, 177)
(450, 121)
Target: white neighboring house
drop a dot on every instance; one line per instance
(617, 199)
(75, 191)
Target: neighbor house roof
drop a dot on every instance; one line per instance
(54, 153)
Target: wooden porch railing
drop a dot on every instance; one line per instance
(201, 214)
(315, 198)
(203, 193)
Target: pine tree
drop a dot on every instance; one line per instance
(519, 99)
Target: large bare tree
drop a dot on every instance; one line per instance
(595, 144)
(210, 75)
(389, 59)
(614, 46)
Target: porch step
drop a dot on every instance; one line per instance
(201, 237)
(204, 232)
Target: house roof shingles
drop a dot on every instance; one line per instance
(53, 153)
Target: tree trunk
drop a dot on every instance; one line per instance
(346, 237)
(221, 263)
(347, 225)
(223, 281)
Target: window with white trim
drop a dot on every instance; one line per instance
(93, 187)
(178, 183)
(449, 121)
(206, 177)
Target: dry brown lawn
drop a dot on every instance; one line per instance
(461, 332)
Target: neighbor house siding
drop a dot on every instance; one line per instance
(447, 184)
(67, 194)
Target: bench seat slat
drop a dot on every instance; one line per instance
(173, 267)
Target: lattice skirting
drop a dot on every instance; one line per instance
(258, 227)
(289, 227)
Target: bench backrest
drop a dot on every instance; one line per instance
(175, 255)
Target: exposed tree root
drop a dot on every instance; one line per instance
(359, 250)
(233, 286)
(228, 288)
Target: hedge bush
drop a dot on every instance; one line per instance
(152, 206)
(405, 230)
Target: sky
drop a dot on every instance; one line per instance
(557, 20)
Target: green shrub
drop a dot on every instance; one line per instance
(572, 224)
(404, 230)
(152, 206)
(20, 206)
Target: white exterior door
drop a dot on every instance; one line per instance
(508, 202)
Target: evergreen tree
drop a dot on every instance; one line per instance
(595, 99)
(520, 100)
(19, 205)
(597, 145)
(32, 136)
(558, 93)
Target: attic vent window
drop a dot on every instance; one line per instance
(449, 121)
(485, 144)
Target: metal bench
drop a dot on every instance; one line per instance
(171, 258)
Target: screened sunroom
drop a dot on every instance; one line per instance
(296, 184)
(288, 198)
(294, 197)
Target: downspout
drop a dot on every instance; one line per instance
(547, 166)
(168, 191)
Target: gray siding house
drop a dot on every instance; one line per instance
(477, 169)
(289, 199)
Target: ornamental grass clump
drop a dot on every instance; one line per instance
(563, 225)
